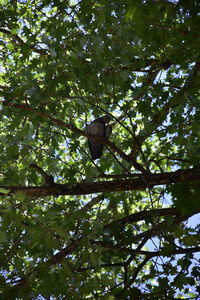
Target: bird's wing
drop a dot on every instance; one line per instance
(98, 129)
(108, 131)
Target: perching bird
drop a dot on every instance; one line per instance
(98, 128)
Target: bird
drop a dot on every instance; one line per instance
(98, 128)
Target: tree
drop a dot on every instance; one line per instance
(113, 228)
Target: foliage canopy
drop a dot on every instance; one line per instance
(113, 228)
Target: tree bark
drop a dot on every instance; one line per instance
(140, 183)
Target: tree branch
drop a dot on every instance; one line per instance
(140, 183)
(21, 42)
(142, 215)
(78, 131)
(47, 178)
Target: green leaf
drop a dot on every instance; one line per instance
(4, 191)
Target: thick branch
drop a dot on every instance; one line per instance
(143, 215)
(139, 183)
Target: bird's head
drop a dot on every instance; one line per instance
(105, 119)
